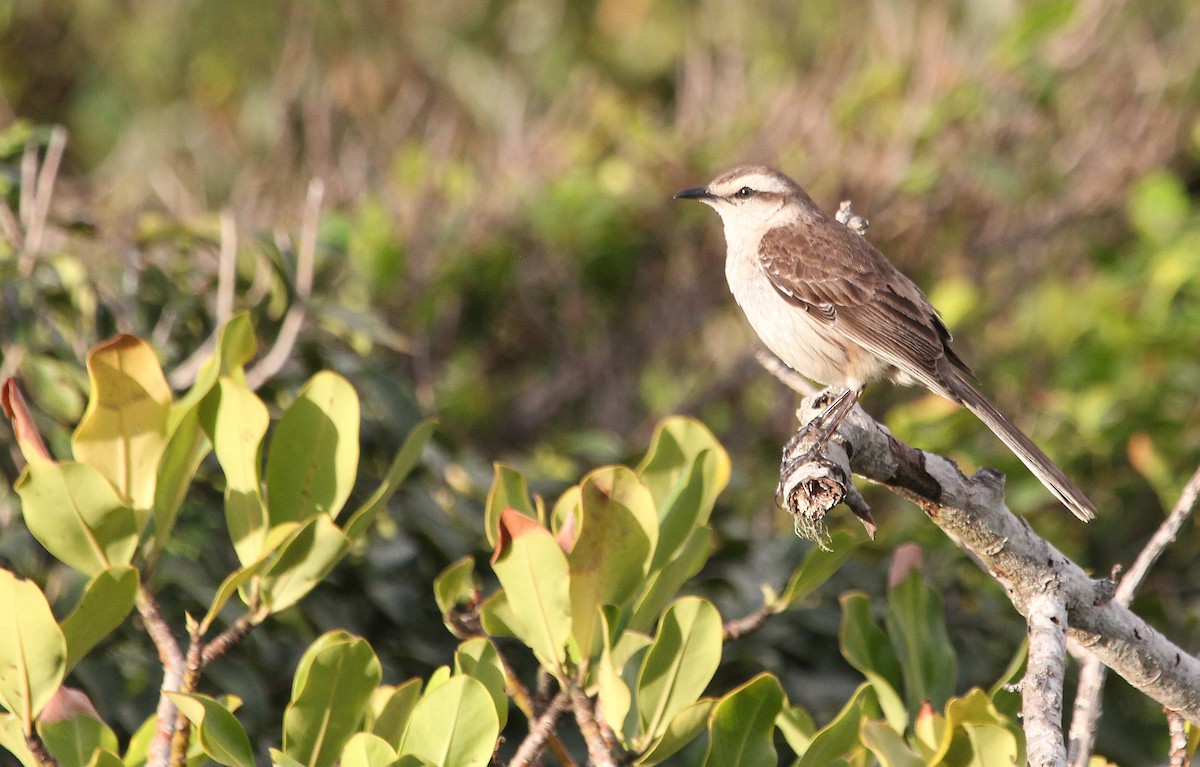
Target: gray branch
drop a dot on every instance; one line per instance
(972, 512)
(1042, 686)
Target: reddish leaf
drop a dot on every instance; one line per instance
(513, 524)
(17, 412)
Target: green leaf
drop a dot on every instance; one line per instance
(280, 759)
(917, 627)
(33, 653)
(817, 567)
(391, 718)
(105, 758)
(867, 648)
(367, 750)
(12, 738)
(404, 462)
(685, 470)
(496, 616)
(614, 698)
(508, 491)
(454, 725)
(303, 561)
(313, 460)
(1005, 699)
(106, 600)
(973, 723)
(679, 664)
(456, 585)
(840, 736)
(188, 444)
(333, 685)
(232, 583)
(74, 741)
(663, 584)
(478, 659)
(139, 743)
(123, 432)
(533, 571)
(797, 727)
(610, 557)
(887, 745)
(186, 449)
(221, 735)
(74, 512)
(683, 729)
(235, 420)
(741, 728)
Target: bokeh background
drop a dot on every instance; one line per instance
(498, 248)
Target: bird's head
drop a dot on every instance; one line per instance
(751, 196)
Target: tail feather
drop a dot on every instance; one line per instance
(1030, 454)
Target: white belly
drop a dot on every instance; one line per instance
(803, 343)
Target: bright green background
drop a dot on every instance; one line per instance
(498, 248)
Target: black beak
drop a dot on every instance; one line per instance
(696, 193)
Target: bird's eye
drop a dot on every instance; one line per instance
(744, 192)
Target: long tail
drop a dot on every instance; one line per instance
(1030, 454)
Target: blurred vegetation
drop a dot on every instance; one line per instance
(497, 248)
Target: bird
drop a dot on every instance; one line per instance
(834, 309)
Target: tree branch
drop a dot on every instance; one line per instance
(1042, 686)
(585, 716)
(540, 732)
(1086, 713)
(972, 512)
(171, 657)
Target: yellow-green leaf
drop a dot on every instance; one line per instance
(333, 685)
(75, 513)
(124, 429)
(313, 459)
(679, 664)
(453, 725)
(741, 728)
(406, 458)
(33, 653)
(220, 734)
(508, 491)
(106, 600)
(303, 561)
(235, 420)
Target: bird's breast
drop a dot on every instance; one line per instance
(811, 347)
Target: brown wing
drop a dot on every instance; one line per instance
(841, 279)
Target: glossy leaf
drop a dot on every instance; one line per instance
(868, 649)
(840, 736)
(230, 586)
(303, 561)
(367, 750)
(33, 653)
(797, 727)
(741, 728)
(456, 585)
(391, 718)
(478, 659)
(663, 584)
(186, 449)
(917, 626)
(313, 459)
(12, 739)
(679, 664)
(818, 565)
(74, 512)
(235, 420)
(508, 491)
(74, 740)
(123, 432)
(614, 696)
(334, 683)
(534, 573)
(106, 601)
(610, 557)
(682, 730)
(220, 734)
(887, 745)
(406, 459)
(453, 725)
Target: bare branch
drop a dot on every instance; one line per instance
(37, 747)
(972, 512)
(171, 657)
(35, 227)
(1042, 686)
(540, 732)
(585, 716)
(1177, 728)
(790, 378)
(289, 330)
(1086, 714)
(226, 268)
